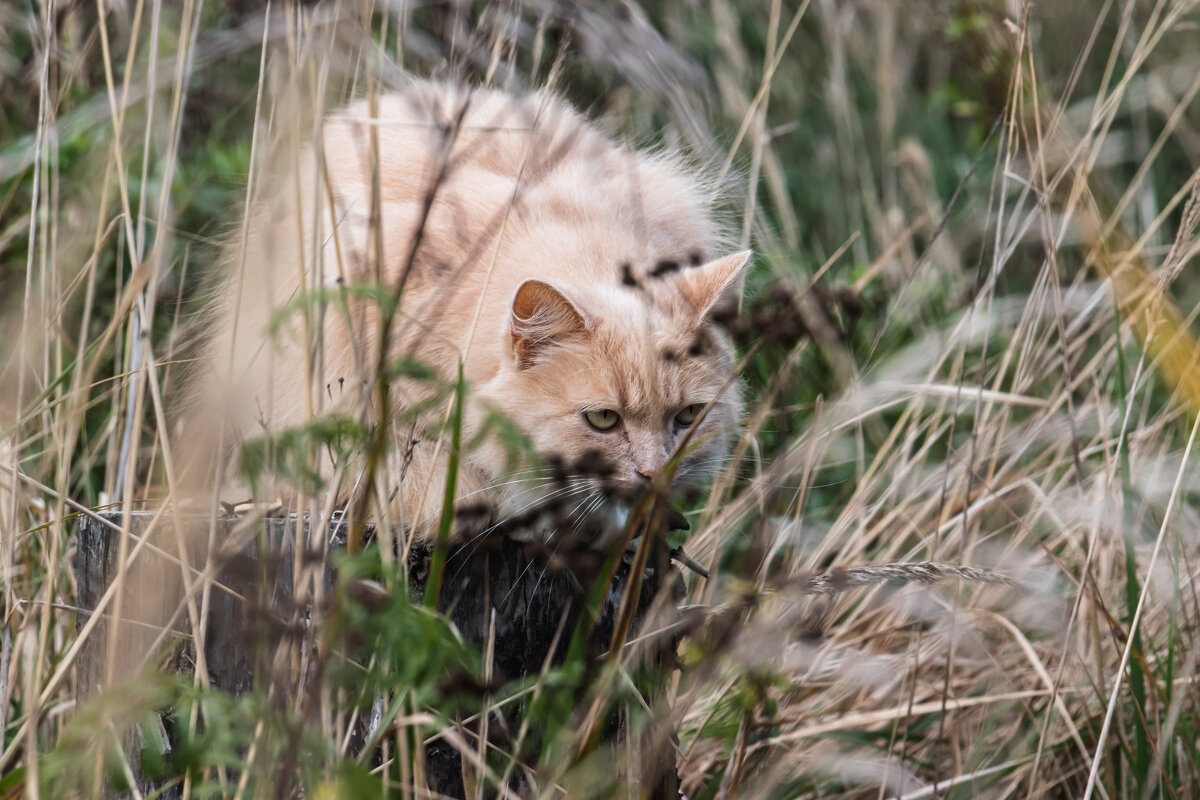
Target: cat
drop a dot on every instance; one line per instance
(575, 280)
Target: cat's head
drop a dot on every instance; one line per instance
(634, 370)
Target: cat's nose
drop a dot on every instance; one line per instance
(648, 475)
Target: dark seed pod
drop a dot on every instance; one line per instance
(370, 594)
(676, 521)
(780, 294)
(850, 302)
(558, 468)
(627, 275)
(724, 313)
(595, 464)
(664, 267)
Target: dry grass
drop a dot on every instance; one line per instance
(1021, 393)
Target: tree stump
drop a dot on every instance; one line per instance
(506, 577)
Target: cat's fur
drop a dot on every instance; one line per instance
(533, 229)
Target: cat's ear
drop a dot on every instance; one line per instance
(720, 280)
(540, 315)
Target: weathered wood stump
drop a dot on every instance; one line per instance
(510, 579)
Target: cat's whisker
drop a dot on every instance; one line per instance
(537, 584)
(713, 467)
(530, 473)
(517, 582)
(593, 503)
(712, 460)
(564, 493)
(560, 492)
(586, 499)
(544, 482)
(539, 498)
(600, 498)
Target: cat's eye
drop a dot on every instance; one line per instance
(602, 419)
(688, 415)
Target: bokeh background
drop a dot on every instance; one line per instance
(988, 211)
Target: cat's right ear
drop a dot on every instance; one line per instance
(540, 316)
(716, 282)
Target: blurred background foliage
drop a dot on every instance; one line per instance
(879, 128)
(885, 150)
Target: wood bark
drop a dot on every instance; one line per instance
(532, 593)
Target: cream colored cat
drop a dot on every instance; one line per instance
(572, 277)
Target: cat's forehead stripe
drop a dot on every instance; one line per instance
(644, 385)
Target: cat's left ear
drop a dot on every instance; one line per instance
(722, 279)
(541, 315)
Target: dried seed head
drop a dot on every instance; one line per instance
(664, 267)
(627, 275)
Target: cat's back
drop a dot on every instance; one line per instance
(464, 168)
(441, 143)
